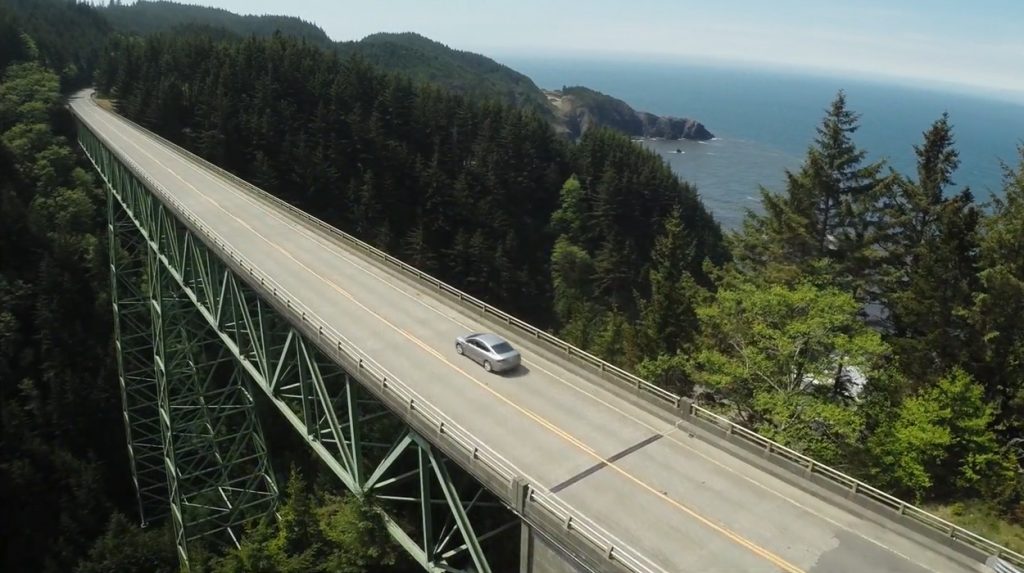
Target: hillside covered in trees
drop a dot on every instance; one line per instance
(150, 17)
(465, 190)
(63, 468)
(421, 59)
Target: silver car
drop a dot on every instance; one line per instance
(490, 350)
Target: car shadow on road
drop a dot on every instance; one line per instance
(518, 372)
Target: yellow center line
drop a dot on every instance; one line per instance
(728, 533)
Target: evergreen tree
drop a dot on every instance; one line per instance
(1000, 304)
(572, 272)
(932, 262)
(828, 211)
(668, 317)
(59, 421)
(357, 540)
(127, 548)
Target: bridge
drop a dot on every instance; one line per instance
(239, 317)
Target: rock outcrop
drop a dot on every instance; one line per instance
(674, 127)
(578, 109)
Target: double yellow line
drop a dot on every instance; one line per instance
(726, 532)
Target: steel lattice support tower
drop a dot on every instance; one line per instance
(193, 338)
(194, 442)
(134, 352)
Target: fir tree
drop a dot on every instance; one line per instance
(828, 211)
(932, 262)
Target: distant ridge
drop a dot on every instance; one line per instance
(571, 111)
(459, 71)
(149, 17)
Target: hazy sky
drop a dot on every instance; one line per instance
(977, 43)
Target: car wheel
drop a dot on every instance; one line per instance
(458, 349)
(487, 365)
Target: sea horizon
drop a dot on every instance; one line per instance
(764, 119)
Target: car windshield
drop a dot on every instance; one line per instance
(502, 348)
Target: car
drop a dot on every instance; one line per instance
(491, 351)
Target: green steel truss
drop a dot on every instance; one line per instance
(193, 340)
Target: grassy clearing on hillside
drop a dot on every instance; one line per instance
(981, 518)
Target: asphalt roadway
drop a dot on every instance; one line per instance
(682, 503)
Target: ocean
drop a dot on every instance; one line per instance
(765, 120)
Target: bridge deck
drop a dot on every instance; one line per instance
(684, 504)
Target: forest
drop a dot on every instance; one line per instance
(863, 316)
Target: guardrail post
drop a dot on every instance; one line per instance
(520, 495)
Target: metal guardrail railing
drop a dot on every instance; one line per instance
(413, 403)
(677, 403)
(998, 565)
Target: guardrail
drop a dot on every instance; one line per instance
(677, 403)
(997, 565)
(575, 522)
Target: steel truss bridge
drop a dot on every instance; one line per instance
(236, 313)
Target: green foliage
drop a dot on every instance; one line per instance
(631, 251)
(818, 426)
(297, 542)
(944, 432)
(65, 36)
(357, 539)
(127, 548)
(1000, 304)
(780, 338)
(985, 519)
(151, 17)
(931, 314)
(316, 533)
(929, 277)
(569, 218)
(464, 73)
(465, 187)
(668, 371)
(903, 449)
(827, 212)
(668, 318)
(572, 271)
(783, 358)
(948, 286)
(615, 338)
(28, 94)
(59, 424)
(14, 44)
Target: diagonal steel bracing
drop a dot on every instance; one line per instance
(195, 341)
(136, 375)
(194, 441)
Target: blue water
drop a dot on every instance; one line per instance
(765, 120)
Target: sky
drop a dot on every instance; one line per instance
(978, 44)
